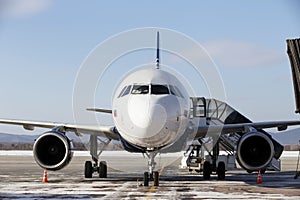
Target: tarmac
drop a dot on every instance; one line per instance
(21, 178)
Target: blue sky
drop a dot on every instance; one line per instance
(43, 43)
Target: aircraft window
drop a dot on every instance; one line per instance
(175, 91)
(140, 89)
(127, 91)
(159, 89)
(122, 91)
(172, 90)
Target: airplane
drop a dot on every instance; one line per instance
(151, 115)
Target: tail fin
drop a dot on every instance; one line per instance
(157, 50)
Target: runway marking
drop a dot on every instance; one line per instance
(152, 188)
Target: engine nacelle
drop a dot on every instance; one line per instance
(255, 151)
(52, 150)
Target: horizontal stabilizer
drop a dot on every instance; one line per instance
(100, 110)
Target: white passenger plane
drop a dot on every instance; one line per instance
(151, 110)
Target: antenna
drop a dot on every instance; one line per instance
(157, 51)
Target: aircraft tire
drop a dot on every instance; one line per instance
(88, 169)
(102, 169)
(151, 176)
(146, 179)
(221, 171)
(206, 170)
(156, 178)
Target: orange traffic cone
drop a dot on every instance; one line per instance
(45, 179)
(259, 181)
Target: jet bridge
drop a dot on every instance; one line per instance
(293, 51)
(206, 151)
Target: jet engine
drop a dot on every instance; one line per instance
(52, 150)
(255, 151)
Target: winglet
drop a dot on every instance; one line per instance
(157, 51)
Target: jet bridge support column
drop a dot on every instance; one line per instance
(293, 51)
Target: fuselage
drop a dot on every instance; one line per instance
(151, 108)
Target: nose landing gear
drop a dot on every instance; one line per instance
(151, 175)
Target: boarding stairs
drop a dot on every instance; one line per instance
(215, 112)
(228, 142)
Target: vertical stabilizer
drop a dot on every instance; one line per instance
(157, 51)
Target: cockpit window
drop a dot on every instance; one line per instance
(175, 91)
(159, 89)
(122, 91)
(140, 89)
(127, 91)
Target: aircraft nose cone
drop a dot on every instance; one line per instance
(158, 116)
(138, 111)
(149, 120)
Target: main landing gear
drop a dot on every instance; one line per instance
(208, 169)
(89, 169)
(218, 167)
(99, 167)
(151, 175)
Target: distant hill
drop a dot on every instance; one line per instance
(289, 137)
(25, 142)
(13, 138)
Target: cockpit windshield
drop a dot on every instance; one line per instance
(159, 89)
(140, 89)
(125, 91)
(155, 90)
(175, 91)
(122, 91)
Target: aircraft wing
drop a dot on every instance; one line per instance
(103, 131)
(243, 127)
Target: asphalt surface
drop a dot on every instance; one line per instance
(21, 178)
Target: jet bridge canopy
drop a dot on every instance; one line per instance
(293, 51)
(215, 110)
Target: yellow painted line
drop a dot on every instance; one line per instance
(152, 188)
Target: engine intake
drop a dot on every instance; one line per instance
(52, 150)
(255, 151)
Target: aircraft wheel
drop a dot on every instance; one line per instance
(102, 169)
(221, 171)
(206, 170)
(151, 176)
(156, 178)
(88, 169)
(146, 179)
